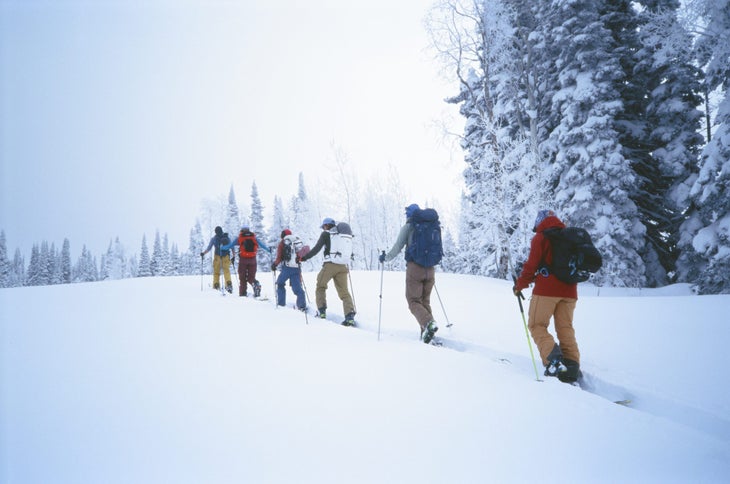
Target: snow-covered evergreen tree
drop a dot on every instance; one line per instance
(279, 221)
(45, 265)
(593, 181)
(86, 270)
(658, 125)
(705, 236)
(166, 261)
(256, 224)
(66, 266)
(302, 218)
(115, 261)
(54, 265)
(157, 260)
(196, 245)
(32, 274)
(233, 221)
(174, 260)
(4, 262)
(502, 176)
(145, 264)
(17, 271)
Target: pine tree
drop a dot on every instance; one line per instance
(145, 266)
(233, 220)
(33, 273)
(658, 125)
(166, 263)
(502, 176)
(157, 260)
(705, 237)
(279, 220)
(54, 265)
(45, 265)
(17, 272)
(115, 261)
(592, 179)
(175, 265)
(302, 217)
(86, 267)
(66, 276)
(256, 222)
(4, 262)
(195, 247)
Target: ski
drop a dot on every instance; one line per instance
(436, 341)
(625, 403)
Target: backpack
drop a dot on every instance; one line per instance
(574, 255)
(340, 243)
(248, 245)
(224, 239)
(425, 247)
(291, 248)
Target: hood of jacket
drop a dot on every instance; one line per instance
(550, 223)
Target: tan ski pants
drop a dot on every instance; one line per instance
(338, 273)
(542, 308)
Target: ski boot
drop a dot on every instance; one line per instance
(229, 287)
(349, 319)
(429, 332)
(572, 372)
(555, 363)
(256, 289)
(321, 313)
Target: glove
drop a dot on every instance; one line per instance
(381, 258)
(517, 292)
(273, 267)
(298, 260)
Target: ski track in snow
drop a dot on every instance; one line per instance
(660, 407)
(644, 401)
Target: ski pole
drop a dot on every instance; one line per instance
(352, 288)
(380, 309)
(448, 324)
(276, 291)
(520, 297)
(201, 272)
(304, 286)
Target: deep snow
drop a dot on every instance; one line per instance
(155, 380)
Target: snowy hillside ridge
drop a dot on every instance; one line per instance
(156, 380)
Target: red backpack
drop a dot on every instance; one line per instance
(247, 245)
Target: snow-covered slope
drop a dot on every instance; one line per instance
(155, 380)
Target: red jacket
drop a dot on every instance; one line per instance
(541, 254)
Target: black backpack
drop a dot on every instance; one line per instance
(574, 255)
(249, 245)
(425, 248)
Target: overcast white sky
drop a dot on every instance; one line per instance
(119, 117)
